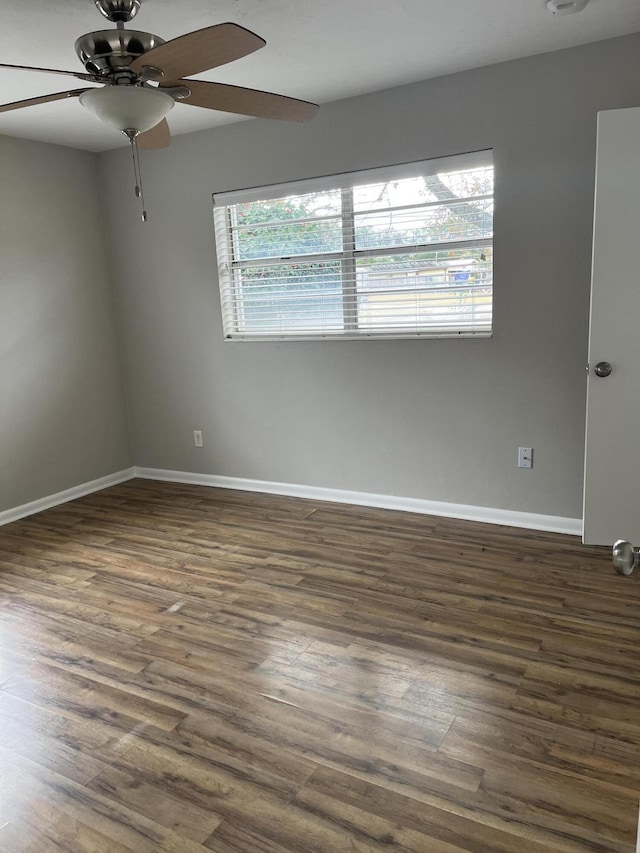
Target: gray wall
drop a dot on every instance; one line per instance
(62, 413)
(439, 420)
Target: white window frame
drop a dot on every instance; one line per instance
(229, 267)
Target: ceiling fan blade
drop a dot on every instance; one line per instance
(158, 137)
(43, 99)
(247, 102)
(199, 51)
(77, 74)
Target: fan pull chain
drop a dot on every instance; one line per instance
(137, 173)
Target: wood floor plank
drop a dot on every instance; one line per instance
(185, 819)
(47, 830)
(447, 824)
(31, 790)
(66, 726)
(53, 686)
(185, 669)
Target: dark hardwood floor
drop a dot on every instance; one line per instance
(185, 669)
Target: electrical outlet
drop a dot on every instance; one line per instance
(197, 438)
(525, 457)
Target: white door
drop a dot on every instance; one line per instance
(612, 458)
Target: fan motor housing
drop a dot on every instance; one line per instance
(106, 52)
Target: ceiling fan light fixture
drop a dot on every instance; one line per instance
(128, 107)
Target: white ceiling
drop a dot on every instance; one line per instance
(318, 50)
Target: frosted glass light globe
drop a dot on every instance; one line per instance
(128, 107)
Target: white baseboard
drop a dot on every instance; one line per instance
(509, 518)
(71, 494)
(489, 515)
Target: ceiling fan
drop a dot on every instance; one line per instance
(143, 76)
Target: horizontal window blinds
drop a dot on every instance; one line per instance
(387, 252)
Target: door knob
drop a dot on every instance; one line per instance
(625, 557)
(603, 369)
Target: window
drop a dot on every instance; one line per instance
(404, 251)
